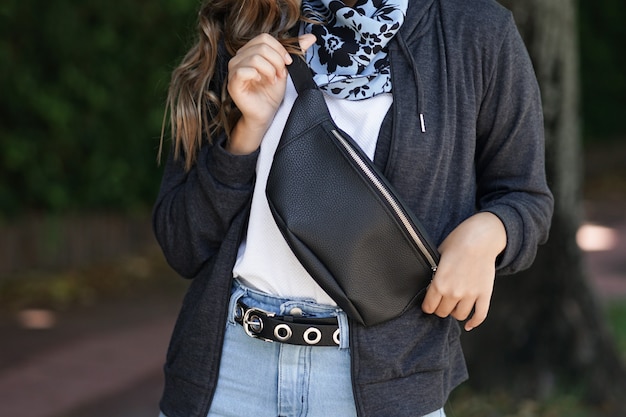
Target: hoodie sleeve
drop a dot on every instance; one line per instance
(194, 209)
(510, 154)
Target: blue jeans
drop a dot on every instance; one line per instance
(264, 379)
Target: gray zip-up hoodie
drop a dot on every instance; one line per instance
(460, 63)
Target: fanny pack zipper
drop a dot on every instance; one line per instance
(389, 198)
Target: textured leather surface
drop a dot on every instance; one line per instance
(337, 223)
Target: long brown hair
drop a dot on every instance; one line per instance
(196, 112)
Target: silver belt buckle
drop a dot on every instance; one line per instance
(253, 322)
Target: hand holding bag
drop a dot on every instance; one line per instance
(341, 217)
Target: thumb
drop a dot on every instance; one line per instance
(306, 41)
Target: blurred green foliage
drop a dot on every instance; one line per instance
(83, 85)
(603, 68)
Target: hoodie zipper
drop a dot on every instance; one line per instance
(389, 198)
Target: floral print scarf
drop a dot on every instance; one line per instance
(350, 58)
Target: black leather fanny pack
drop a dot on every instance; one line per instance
(341, 217)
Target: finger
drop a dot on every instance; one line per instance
(446, 307)
(267, 44)
(306, 41)
(241, 76)
(264, 38)
(265, 70)
(431, 300)
(463, 310)
(263, 59)
(480, 314)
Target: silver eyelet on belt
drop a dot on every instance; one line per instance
(239, 313)
(283, 332)
(336, 337)
(312, 331)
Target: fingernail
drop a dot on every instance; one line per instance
(288, 58)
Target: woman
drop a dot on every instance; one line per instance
(452, 116)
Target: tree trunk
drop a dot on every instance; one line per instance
(546, 329)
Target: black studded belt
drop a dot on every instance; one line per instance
(291, 329)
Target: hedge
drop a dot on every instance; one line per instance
(83, 86)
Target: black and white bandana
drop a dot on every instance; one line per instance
(350, 58)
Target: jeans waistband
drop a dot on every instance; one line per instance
(287, 306)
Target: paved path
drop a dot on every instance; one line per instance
(96, 362)
(97, 366)
(106, 361)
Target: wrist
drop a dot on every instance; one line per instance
(495, 232)
(245, 137)
(482, 235)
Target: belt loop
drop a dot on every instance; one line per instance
(344, 330)
(237, 293)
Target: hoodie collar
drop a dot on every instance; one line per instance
(419, 18)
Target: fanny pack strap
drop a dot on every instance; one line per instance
(301, 74)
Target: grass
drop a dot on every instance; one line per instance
(616, 313)
(465, 403)
(64, 290)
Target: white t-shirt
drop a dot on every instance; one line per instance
(264, 261)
